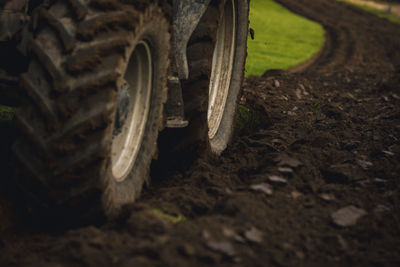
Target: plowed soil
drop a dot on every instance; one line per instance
(324, 137)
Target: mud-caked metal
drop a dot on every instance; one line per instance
(187, 15)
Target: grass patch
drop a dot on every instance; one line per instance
(247, 119)
(282, 39)
(391, 17)
(6, 113)
(172, 218)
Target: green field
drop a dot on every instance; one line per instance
(282, 39)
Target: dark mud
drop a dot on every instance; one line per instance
(330, 133)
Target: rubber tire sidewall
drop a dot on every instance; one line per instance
(221, 139)
(118, 193)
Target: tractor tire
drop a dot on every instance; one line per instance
(227, 72)
(95, 91)
(211, 119)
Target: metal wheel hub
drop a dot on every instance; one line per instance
(221, 74)
(132, 111)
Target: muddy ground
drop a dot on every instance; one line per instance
(315, 180)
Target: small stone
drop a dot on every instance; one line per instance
(296, 194)
(277, 179)
(263, 187)
(285, 170)
(298, 93)
(327, 197)
(277, 84)
(388, 153)
(347, 216)
(223, 247)
(228, 191)
(285, 160)
(364, 163)
(254, 235)
(229, 233)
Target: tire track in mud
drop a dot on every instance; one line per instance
(347, 44)
(330, 133)
(337, 51)
(339, 48)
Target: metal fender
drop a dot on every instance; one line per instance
(186, 15)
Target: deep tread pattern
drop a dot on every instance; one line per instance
(87, 29)
(95, 80)
(105, 4)
(46, 61)
(85, 59)
(44, 104)
(93, 152)
(25, 161)
(66, 38)
(30, 133)
(79, 8)
(65, 125)
(94, 120)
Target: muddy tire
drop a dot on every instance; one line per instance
(198, 138)
(95, 91)
(227, 73)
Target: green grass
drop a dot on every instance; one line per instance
(169, 217)
(247, 119)
(6, 113)
(282, 39)
(391, 17)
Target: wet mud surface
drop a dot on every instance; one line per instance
(314, 182)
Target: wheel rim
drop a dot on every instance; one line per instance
(222, 65)
(134, 107)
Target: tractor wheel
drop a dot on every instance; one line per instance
(227, 73)
(95, 91)
(216, 58)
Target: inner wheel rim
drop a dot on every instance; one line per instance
(222, 65)
(127, 141)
